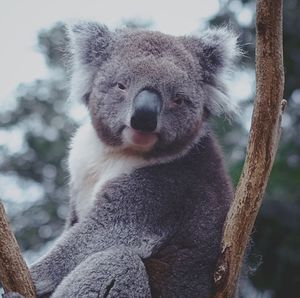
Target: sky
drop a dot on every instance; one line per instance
(20, 21)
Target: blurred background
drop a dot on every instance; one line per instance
(37, 121)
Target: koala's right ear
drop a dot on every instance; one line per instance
(90, 42)
(90, 46)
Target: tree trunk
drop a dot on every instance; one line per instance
(262, 146)
(14, 274)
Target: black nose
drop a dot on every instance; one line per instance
(146, 108)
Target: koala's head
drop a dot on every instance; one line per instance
(150, 93)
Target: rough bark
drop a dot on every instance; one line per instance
(14, 274)
(262, 146)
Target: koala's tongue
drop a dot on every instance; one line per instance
(137, 138)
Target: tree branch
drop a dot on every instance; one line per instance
(14, 274)
(262, 146)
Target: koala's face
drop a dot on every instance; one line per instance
(148, 93)
(144, 97)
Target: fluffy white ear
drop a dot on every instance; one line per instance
(90, 42)
(90, 46)
(216, 51)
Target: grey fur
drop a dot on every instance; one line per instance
(106, 271)
(158, 228)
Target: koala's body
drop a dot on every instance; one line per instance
(149, 191)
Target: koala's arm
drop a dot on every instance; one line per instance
(74, 246)
(124, 219)
(71, 248)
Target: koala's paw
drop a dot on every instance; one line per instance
(12, 295)
(43, 281)
(112, 273)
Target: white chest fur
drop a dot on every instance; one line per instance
(92, 164)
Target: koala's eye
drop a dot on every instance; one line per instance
(178, 101)
(121, 86)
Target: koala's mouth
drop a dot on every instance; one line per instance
(144, 141)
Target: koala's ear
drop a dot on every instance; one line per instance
(90, 42)
(215, 50)
(90, 46)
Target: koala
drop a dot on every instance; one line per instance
(149, 191)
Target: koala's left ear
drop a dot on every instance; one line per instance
(90, 46)
(215, 50)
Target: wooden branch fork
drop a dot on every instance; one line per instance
(262, 146)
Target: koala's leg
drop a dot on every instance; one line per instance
(116, 272)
